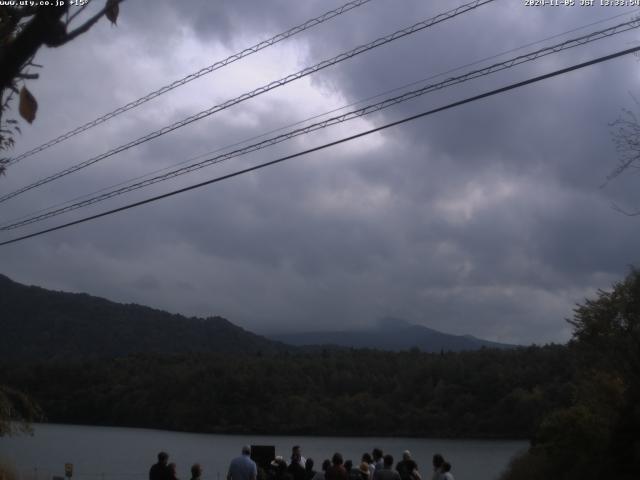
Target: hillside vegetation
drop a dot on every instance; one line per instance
(40, 324)
(488, 393)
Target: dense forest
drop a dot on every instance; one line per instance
(487, 393)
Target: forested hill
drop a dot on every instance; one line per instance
(40, 324)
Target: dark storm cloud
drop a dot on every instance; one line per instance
(488, 219)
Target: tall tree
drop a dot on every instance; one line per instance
(599, 434)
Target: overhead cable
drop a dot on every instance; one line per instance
(314, 117)
(246, 96)
(193, 76)
(491, 93)
(496, 67)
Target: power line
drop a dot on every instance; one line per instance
(314, 117)
(386, 103)
(193, 76)
(490, 93)
(265, 88)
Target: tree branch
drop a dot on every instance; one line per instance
(90, 22)
(43, 28)
(627, 213)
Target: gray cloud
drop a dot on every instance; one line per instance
(488, 219)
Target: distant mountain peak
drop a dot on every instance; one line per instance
(390, 333)
(393, 323)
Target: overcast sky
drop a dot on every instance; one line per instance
(490, 219)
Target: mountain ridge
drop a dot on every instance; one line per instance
(41, 324)
(390, 334)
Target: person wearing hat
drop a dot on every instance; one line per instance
(278, 470)
(368, 459)
(364, 471)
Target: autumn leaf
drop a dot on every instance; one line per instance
(28, 105)
(112, 9)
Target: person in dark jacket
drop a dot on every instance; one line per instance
(278, 470)
(336, 471)
(386, 472)
(160, 470)
(173, 475)
(295, 468)
(378, 462)
(308, 468)
(406, 467)
(196, 471)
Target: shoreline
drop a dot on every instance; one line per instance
(292, 434)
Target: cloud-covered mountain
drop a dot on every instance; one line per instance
(391, 334)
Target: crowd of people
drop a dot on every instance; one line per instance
(372, 466)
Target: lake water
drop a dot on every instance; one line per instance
(105, 453)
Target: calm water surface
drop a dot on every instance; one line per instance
(127, 453)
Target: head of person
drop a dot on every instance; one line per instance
(296, 458)
(348, 465)
(196, 470)
(446, 467)
(246, 450)
(377, 454)
(326, 464)
(309, 465)
(406, 455)
(438, 460)
(296, 450)
(279, 465)
(388, 461)
(337, 459)
(163, 458)
(366, 457)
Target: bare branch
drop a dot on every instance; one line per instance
(619, 209)
(625, 134)
(90, 22)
